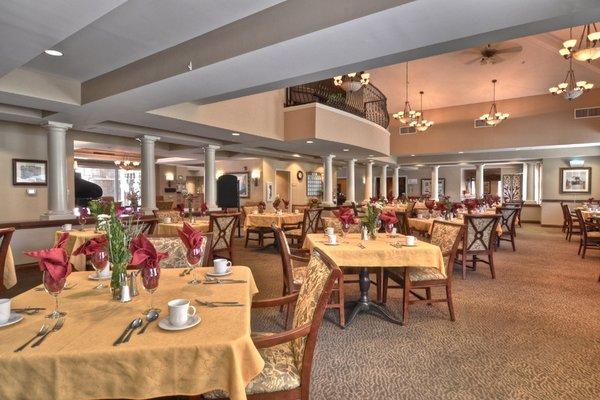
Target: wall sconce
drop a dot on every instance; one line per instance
(219, 174)
(364, 180)
(169, 177)
(576, 163)
(255, 175)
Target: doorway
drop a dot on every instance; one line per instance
(283, 185)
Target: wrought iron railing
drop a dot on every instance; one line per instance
(368, 102)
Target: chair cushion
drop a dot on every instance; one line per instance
(593, 234)
(294, 232)
(279, 374)
(425, 274)
(299, 275)
(176, 251)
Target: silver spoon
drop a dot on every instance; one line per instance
(120, 338)
(134, 325)
(151, 316)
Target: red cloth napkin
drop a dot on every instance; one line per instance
(191, 238)
(388, 217)
(91, 246)
(54, 260)
(144, 253)
(345, 215)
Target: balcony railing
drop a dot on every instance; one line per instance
(368, 102)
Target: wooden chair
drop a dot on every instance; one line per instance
(590, 234)
(478, 240)
(288, 355)
(508, 216)
(256, 233)
(222, 227)
(445, 235)
(164, 205)
(310, 224)
(565, 218)
(177, 252)
(573, 225)
(147, 225)
(402, 225)
(5, 238)
(410, 208)
(173, 214)
(519, 205)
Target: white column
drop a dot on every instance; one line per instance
(395, 183)
(530, 193)
(328, 181)
(368, 180)
(383, 182)
(524, 182)
(434, 182)
(210, 177)
(479, 170)
(148, 173)
(351, 192)
(537, 182)
(58, 207)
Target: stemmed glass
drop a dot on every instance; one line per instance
(194, 257)
(345, 229)
(54, 287)
(150, 277)
(82, 220)
(99, 261)
(388, 228)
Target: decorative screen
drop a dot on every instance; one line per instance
(314, 184)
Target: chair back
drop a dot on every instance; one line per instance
(310, 307)
(173, 214)
(146, 226)
(480, 233)
(410, 207)
(177, 253)
(165, 205)
(223, 227)
(286, 258)
(565, 211)
(447, 237)
(583, 226)
(5, 237)
(508, 216)
(402, 224)
(310, 221)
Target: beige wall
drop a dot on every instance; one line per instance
(227, 166)
(298, 187)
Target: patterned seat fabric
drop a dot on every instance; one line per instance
(294, 232)
(337, 225)
(175, 249)
(425, 274)
(444, 236)
(162, 214)
(478, 237)
(221, 240)
(299, 275)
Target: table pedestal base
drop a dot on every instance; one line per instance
(364, 304)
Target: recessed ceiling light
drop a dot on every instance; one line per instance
(345, 149)
(460, 152)
(296, 155)
(370, 155)
(235, 134)
(412, 155)
(54, 53)
(309, 142)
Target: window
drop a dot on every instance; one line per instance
(114, 182)
(105, 177)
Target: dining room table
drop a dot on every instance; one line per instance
(80, 361)
(77, 237)
(425, 225)
(265, 220)
(170, 229)
(386, 251)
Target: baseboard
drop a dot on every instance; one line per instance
(551, 226)
(532, 221)
(26, 266)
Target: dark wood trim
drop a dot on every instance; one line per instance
(564, 200)
(532, 205)
(14, 172)
(35, 224)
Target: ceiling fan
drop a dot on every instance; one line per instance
(490, 54)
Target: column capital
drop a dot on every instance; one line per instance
(211, 147)
(370, 162)
(58, 125)
(352, 160)
(329, 156)
(148, 138)
(384, 166)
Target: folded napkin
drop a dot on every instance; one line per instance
(345, 215)
(430, 204)
(54, 260)
(203, 208)
(91, 246)
(471, 204)
(191, 238)
(144, 254)
(388, 217)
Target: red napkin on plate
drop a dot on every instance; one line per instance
(54, 260)
(191, 238)
(345, 215)
(388, 217)
(91, 246)
(144, 253)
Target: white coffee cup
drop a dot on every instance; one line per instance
(296, 211)
(179, 311)
(67, 227)
(221, 265)
(332, 239)
(167, 220)
(4, 310)
(329, 230)
(419, 216)
(394, 231)
(255, 212)
(410, 240)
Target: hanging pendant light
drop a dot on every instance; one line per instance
(353, 81)
(494, 117)
(571, 88)
(407, 115)
(587, 48)
(420, 123)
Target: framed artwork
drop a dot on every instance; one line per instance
(314, 184)
(487, 187)
(243, 183)
(269, 194)
(426, 187)
(29, 172)
(575, 180)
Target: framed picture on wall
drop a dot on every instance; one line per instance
(426, 187)
(243, 183)
(269, 193)
(29, 172)
(575, 180)
(487, 187)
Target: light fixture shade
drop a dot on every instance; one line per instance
(564, 52)
(588, 54)
(594, 36)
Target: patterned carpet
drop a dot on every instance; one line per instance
(532, 333)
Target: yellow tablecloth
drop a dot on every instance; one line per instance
(10, 274)
(378, 253)
(80, 362)
(590, 214)
(76, 239)
(267, 219)
(171, 229)
(335, 223)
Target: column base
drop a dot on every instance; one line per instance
(56, 215)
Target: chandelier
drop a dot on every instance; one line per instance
(420, 123)
(353, 81)
(570, 88)
(127, 164)
(407, 115)
(493, 117)
(586, 48)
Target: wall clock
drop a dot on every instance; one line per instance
(300, 175)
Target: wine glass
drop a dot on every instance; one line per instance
(345, 228)
(99, 261)
(82, 220)
(54, 287)
(388, 228)
(194, 257)
(150, 277)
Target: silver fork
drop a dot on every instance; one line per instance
(43, 330)
(59, 324)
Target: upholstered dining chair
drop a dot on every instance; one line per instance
(335, 223)
(288, 355)
(590, 234)
(447, 236)
(310, 224)
(478, 241)
(177, 251)
(173, 214)
(256, 233)
(146, 225)
(163, 205)
(508, 217)
(572, 223)
(410, 208)
(5, 238)
(223, 227)
(402, 225)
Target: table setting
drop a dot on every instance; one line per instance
(279, 218)
(169, 228)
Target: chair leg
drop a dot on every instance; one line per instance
(584, 249)
(449, 301)
(428, 295)
(512, 241)
(580, 244)
(247, 237)
(341, 301)
(491, 262)
(464, 266)
(384, 288)
(405, 304)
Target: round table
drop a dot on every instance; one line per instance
(267, 219)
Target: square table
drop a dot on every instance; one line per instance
(265, 220)
(170, 229)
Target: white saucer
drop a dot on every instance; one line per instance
(166, 325)
(13, 319)
(331, 244)
(410, 245)
(94, 277)
(223, 274)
